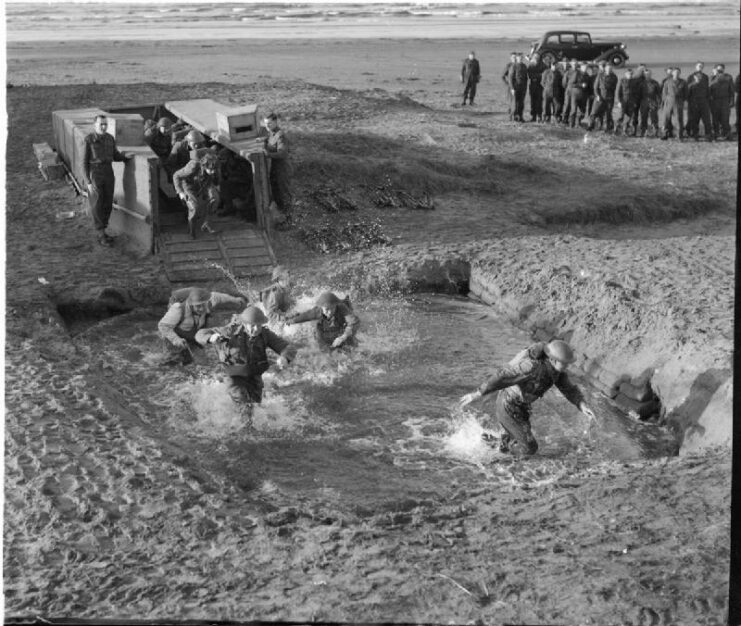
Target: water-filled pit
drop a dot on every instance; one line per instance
(371, 429)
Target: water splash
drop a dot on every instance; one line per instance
(465, 442)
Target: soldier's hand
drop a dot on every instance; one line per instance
(338, 342)
(281, 362)
(180, 343)
(182, 196)
(214, 338)
(469, 397)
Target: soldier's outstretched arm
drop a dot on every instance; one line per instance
(502, 378)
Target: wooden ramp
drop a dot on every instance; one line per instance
(243, 252)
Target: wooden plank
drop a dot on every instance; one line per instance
(178, 257)
(250, 254)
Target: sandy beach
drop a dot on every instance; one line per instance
(625, 245)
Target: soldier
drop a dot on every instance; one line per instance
(470, 77)
(181, 150)
(236, 183)
(159, 138)
(698, 103)
(188, 313)
(594, 114)
(667, 76)
(518, 86)
(276, 299)
(577, 95)
(552, 93)
(569, 76)
(525, 379)
(505, 80)
(535, 74)
(650, 94)
(673, 95)
(628, 100)
(721, 101)
(197, 186)
(604, 99)
(336, 322)
(100, 152)
(276, 150)
(242, 347)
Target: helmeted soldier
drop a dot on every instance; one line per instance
(518, 86)
(698, 103)
(650, 94)
(197, 186)
(187, 313)
(520, 383)
(535, 71)
(182, 150)
(276, 299)
(470, 77)
(336, 322)
(242, 348)
(604, 98)
(721, 101)
(100, 152)
(159, 138)
(673, 96)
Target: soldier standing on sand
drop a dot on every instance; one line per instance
(569, 76)
(525, 379)
(698, 103)
(552, 93)
(673, 95)
(242, 347)
(188, 313)
(721, 101)
(535, 71)
(276, 150)
(628, 101)
(604, 98)
(650, 94)
(470, 77)
(505, 80)
(100, 152)
(578, 94)
(518, 87)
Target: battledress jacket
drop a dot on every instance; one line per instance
(100, 152)
(193, 180)
(528, 376)
(343, 322)
(243, 355)
(181, 316)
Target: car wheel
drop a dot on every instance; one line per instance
(548, 58)
(617, 60)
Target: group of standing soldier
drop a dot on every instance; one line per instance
(586, 94)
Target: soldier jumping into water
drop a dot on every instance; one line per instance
(525, 379)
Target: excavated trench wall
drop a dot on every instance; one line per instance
(645, 365)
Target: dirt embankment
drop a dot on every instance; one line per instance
(526, 218)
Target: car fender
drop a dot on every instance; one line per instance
(614, 50)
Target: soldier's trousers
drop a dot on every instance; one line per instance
(649, 111)
(280, 185)
(469, 91)
(509, 99)
(721, 113)
(104, 183)
(244, 389)
(577, 106)
(536, 101)
(551, 107)
(628, 117)
(519, 97)
(514, 417)
(199, 207)
(698, 112)
(673, 109)
(603, 108)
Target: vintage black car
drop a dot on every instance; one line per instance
(570, 44)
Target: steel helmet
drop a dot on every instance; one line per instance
(198, 296)
(195, 136)
(165, 122)
(560, 350)
(253, 315)
(327, 299)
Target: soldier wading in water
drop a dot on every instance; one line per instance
(522, 381)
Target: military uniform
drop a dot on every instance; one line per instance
(100, 152)
(470, 76)
(698, 104)
(244, 358)
(276, 146)
(629, 98)
(577, 93)
(673, 96)
(200, 189)
(160, 143)
(604, 102)
(518, 83)
(520, 383)
(552, 94)
(650, 94)
(535, 76)
(721, 101)
(508, 94)
(342, 323)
